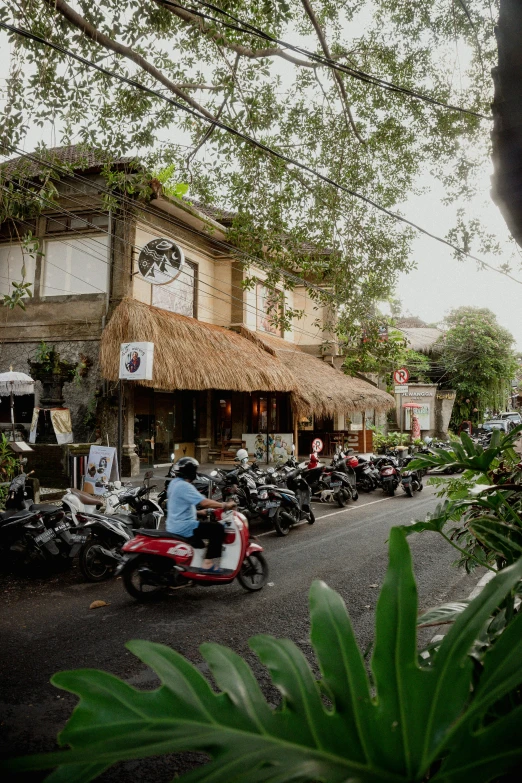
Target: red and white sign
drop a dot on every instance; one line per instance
(317, 445)
(401, 376)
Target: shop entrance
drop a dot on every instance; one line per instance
(164, 424)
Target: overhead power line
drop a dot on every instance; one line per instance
(252, 142)
(376, 81)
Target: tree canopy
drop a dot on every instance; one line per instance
(367, 138)
(479, 361)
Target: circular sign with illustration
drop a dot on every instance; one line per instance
(317, 445)
(401, 376)
(160, 261)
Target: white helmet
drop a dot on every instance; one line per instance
(241, 454)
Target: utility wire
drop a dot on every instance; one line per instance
(145, 209)
(60, 237)
(376, 81)
(254, 143)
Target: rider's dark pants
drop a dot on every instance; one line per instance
(215, 533)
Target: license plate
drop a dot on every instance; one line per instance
(336, 483)
(77, 539)
(271, 504)
(44, 537)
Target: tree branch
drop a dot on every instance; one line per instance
(337, 76)
(78, 21)
(242, 51)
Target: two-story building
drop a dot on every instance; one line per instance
(224, 372)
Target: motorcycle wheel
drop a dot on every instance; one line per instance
(365, 486)
(282, 526)
(409, 491)
(355, 495)
(421, 486)
(311, 517)
(390, 490)
(253, 574)
(340, 498)
(92, 564)
(134, 585)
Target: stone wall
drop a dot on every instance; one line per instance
(79, 397)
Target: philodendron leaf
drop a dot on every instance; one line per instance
(434, 520)
(445, 613)
(416, 716)
(505, 539)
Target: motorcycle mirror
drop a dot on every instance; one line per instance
(271, 470)
(214, 473)
(117, 485)
(293, 448)
(149, 474)
(172, 457)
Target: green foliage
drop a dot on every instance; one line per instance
(170, 186)
(382, 442)
(8, 464)
(477, 355)
(22, 289)
(485, 503)
(400, 728)
(283, 216)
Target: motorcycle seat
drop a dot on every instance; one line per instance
(11, 513)
(193, 540)
(46, 508)
(88, 500)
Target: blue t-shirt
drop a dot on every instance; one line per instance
(182, 499)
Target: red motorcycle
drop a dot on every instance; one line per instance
(155, 560)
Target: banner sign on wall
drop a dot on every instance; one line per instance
(136, 361)
(161, 261)
(102, 466)
(61, 421)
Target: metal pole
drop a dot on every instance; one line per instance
(12, 413)
(120, 426)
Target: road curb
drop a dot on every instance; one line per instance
(482, 582)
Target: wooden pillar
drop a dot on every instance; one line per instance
(296, 433)
(364, 431)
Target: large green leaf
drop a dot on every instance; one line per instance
(337, 729)
(505, 539)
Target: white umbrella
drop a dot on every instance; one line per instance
(12, 383)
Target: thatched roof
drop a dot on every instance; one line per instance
(421, 339)
(190, 354)
(320, 388)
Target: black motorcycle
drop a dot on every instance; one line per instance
(36, 534)
(390, 474)
(411, 480)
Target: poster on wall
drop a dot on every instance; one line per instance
(102, 466)
(423, 415)
(136, 361)
(279, 446)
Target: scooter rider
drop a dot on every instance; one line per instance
(182, 499)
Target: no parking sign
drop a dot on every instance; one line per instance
(317, 445)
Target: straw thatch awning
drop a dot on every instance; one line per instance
(320, 388)
(190, 354)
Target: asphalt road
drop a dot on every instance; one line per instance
(47, 625)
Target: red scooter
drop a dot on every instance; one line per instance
(155, 560)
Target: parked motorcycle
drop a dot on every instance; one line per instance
(36, 534)
(155, 561)
(411, 480)
(390, 474)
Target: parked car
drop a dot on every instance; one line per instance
(505, 425)
(513, 416)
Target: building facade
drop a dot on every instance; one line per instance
(224, 372)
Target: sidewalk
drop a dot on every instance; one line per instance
(207, 467)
